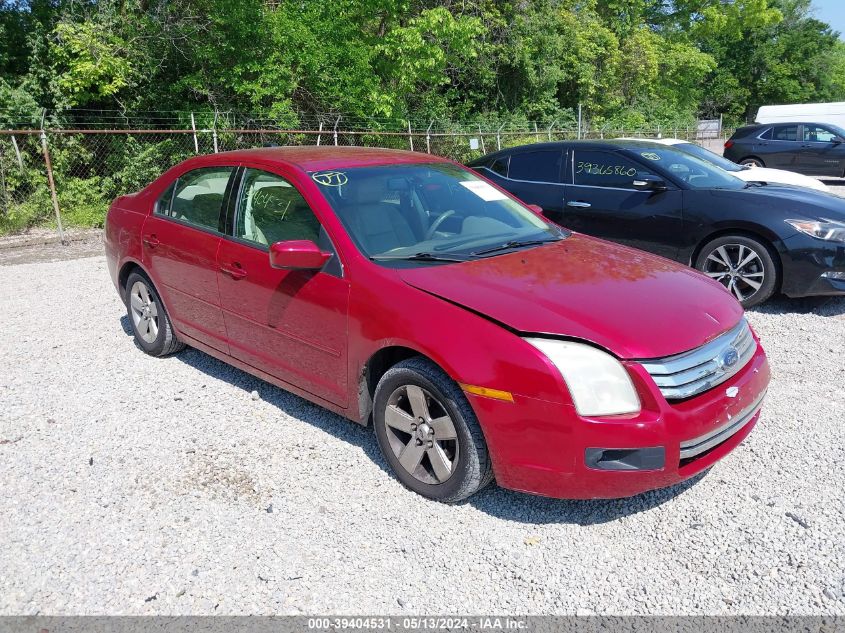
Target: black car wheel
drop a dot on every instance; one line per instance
(150, 322)
(752, 162)
(428, 433)
(743, 265)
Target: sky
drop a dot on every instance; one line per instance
(832, 12)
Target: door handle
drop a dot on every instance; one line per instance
(578, 204)
(152, 241)
(235, 273)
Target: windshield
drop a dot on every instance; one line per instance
(706, 154)
(695, 172)
(429, 213)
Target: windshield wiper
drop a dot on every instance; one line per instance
(417, 257)
(515, 244)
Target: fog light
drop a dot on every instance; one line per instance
(652, 458)
(834, 275)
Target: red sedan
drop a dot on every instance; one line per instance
(479, 339)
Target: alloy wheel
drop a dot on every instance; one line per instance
(144, 312)
(738, 268)
(421, 434)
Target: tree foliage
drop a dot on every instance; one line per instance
(633, 61)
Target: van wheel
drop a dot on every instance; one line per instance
(752, 162)
(743, 265)
(150, 323)
(428, 432)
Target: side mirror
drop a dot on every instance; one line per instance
(297, 255)
(836, 140)
(537, 209)
(649, 183)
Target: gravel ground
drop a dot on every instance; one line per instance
(133, 485)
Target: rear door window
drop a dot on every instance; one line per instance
(785, 133)
(536, 166)
(198, 197)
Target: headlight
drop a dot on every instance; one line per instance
(598, 383)
(830, 230)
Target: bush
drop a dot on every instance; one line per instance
(82, 202)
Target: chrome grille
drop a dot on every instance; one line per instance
(688, 374)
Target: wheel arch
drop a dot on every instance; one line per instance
(752, 157)
(375, 367)
(760, 234)
(128, 267)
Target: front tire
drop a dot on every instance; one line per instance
(149, 320)
(745, 266)
(428, 432)
(752, 161)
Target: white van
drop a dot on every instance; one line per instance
(830, 113)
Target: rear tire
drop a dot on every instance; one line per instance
(753, 161)
(428, 432)
(149, 320)
(745, 266)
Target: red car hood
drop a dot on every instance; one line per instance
(632, 303)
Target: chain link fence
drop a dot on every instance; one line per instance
(90, 166)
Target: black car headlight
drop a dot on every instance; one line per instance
(823, 229)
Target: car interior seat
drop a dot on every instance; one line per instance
(378, 225)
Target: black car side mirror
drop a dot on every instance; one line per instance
(649, 183)
(836, 140)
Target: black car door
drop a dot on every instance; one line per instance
(532, 175)
(781, 147)
(822, 152)
(602, 201)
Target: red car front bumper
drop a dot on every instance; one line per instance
(539, 447)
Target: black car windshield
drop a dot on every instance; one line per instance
(712, 157)
(695, 172)
(417, 213)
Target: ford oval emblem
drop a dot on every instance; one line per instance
(730, 357)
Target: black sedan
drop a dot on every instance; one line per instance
(813, 149)
(754, 238)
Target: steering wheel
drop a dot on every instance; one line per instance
(436, 224)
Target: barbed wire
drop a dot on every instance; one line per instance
(92, 119)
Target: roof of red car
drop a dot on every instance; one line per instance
(312, 158)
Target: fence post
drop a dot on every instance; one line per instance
(335, 130)
(410, 138)
(214, 130)
(5, 208)
(428, 138)
(499, 137)
(536, 133)
(549, 131)
(579, 120)
(320, 133)
(194, 128)
(17, 152)
(51, 182)
(481, 137)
